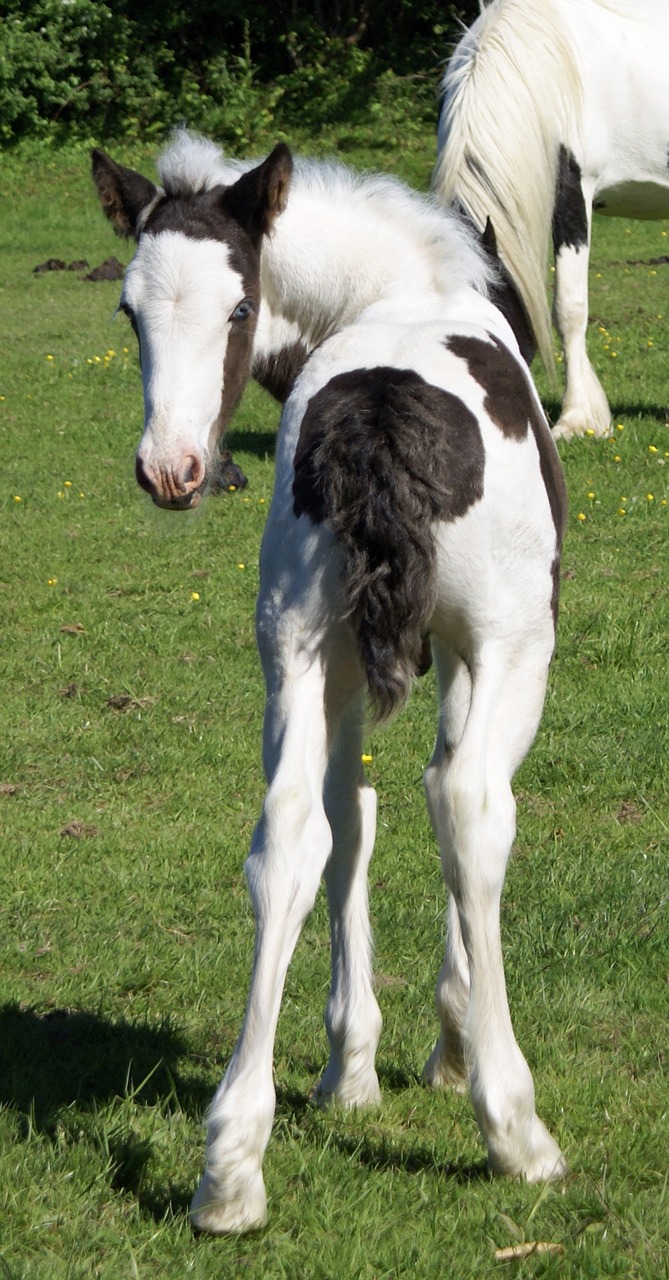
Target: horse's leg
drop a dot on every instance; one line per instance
(585, 406)
(473, 811)
(290, 847)
(352, 1016)
(446, 1064)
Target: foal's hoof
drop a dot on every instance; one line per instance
(211, 1211)
(536, 1159)
(228, 476)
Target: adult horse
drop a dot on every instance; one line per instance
(418, 499)
(553, 109)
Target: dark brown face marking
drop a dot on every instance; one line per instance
(203, 217)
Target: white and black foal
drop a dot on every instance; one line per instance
(418, 502)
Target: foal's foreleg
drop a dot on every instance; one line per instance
(352, 1015)
(290, 847)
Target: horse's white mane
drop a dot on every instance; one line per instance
(191, 164)
(510, 93)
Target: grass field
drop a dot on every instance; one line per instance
(130, 780)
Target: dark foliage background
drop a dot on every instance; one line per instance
(84, 68)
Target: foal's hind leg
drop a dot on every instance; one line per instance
(473, 812)
(446, 1064)
(352, 1016)
(290, 847)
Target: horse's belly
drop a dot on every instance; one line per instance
(634, 200)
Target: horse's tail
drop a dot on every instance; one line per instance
(376, 462)
(509, 94)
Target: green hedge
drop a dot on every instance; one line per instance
(84, 68)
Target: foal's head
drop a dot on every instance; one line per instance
(192, 293)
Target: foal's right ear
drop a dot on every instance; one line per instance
(124, 194)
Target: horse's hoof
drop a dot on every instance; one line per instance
(211, 1212)
(445, 1070)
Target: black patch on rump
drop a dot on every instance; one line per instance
(381, 456)
(511, 406)
(570, 220)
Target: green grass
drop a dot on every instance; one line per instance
(126, 933)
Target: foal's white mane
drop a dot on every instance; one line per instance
(510, 94)
(192, 164)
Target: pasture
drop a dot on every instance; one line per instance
(130, 781)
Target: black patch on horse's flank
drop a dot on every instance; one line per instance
(277, 372)
(508, 400)
(382, 455)
(570, 219)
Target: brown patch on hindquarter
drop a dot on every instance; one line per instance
(509, 403)
(508, 399)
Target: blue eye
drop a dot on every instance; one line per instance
(243, 311)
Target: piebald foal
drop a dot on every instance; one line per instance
(418, 499)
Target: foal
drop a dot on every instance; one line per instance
(418, 499)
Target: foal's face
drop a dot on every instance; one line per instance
(192, 294)
(193, 304)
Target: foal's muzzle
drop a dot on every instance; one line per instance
(178, 487)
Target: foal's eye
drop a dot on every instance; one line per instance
(243, 311)
(127, 311)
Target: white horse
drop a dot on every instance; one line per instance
(418, 498)
(553, 109)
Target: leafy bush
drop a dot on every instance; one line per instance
(85, 68)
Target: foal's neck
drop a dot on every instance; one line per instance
(330, 256)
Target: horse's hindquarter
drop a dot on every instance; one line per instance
(497, 544)
(622, 143)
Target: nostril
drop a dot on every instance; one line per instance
(142, 476)
(192, 472)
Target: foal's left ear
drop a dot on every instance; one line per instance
(124, 194)
(260, 195)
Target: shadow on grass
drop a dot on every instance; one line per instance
(378, 1153)
(372, 1148)
(553, 408)
(49, 1061)
(261, 444)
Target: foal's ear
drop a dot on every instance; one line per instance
(260, 195)
(124, 194)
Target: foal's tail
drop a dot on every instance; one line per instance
(377, 462)
(510, 91)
